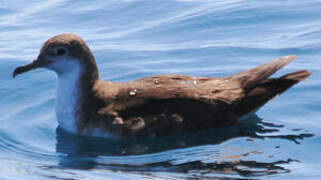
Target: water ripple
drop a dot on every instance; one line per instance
(134, 38)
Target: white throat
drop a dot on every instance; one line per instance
(67, 96)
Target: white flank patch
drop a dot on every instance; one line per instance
(98, 132)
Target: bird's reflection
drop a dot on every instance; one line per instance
(81, 152)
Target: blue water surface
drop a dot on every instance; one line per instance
(135, 38)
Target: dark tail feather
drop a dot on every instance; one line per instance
(254, 76)
(268, 89)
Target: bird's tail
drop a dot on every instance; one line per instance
(259, 89)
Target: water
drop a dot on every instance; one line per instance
(134, 38)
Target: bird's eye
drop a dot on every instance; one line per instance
(61, 52)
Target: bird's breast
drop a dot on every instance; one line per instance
(68, 93)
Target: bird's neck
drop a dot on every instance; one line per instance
(73, 90)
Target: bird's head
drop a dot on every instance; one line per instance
(61, 54)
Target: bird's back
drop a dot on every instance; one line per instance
(165, 104)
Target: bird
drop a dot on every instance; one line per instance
(151, 106)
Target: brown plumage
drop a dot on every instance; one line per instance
(165, 104)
